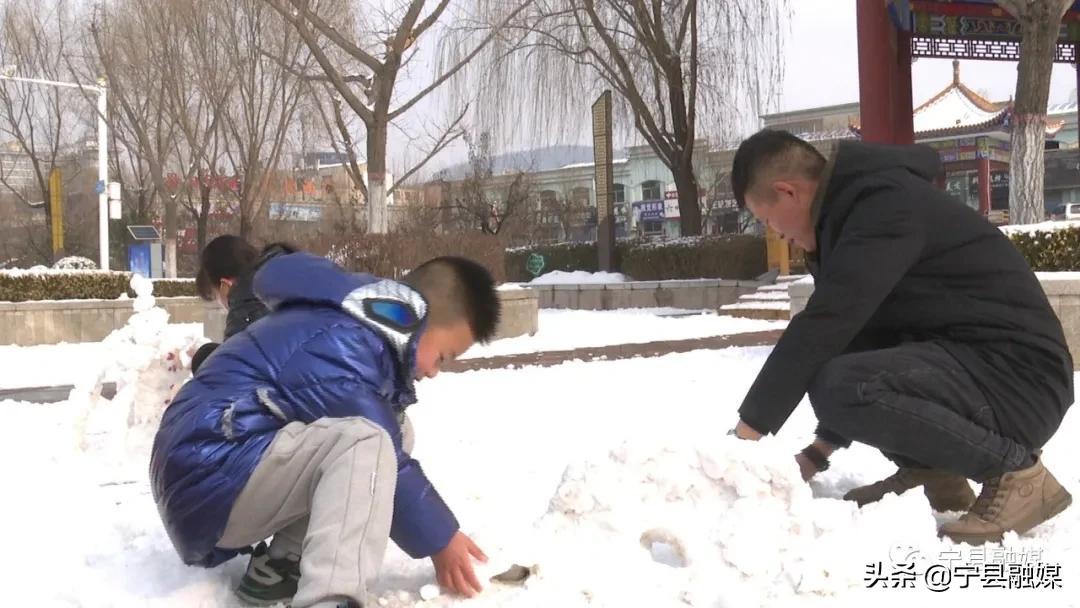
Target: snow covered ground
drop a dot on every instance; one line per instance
(576, 277)
(614, 478)
(61, 364)
(574, 468)
(570, 329)
(47, 364)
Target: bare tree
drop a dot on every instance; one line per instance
(267, 92)
(164, 62)
(337, 124)
(41, 122)
(483, 201)
(141, 130)
(380, 47)
(204, 66)
(720, 198)
(342, 139)
(1040, 26)
(679, 68)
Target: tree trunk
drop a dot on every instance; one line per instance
(1040, 23)
(245, 224)
(170, 236)
(689, 205)
(201, 220)
(376, 173)
(1026, 170)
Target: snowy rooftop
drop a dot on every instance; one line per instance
(957, 109)
(616, 161)
(956, 106)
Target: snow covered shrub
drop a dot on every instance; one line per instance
(1053, 251)
(45, 284)
(392, 255)
(23, 286)
(566, 257)
(74, 262)
(173, 288)
(713, 257)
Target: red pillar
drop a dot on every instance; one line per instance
(884, 75)
(903, 108)
(984, 186)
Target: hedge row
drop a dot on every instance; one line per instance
(392, 255)
(726, 257)
(80, 285)
(1054, 251)
(719, 257)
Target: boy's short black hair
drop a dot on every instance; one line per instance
(227, 256)
(776, 152)
(201, 354)
(458, 288)
(279, 248)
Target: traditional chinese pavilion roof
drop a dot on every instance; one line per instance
(957, 111)
(900, 10)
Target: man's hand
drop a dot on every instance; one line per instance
(745, 431)
(806, 468)
(453, 565)
(821, 450)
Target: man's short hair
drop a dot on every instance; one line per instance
(769, 155)
(226, 257)
(458, 289)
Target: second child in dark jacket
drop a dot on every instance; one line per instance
(227, 267)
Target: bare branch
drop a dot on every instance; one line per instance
(450, 134)
(460, 64)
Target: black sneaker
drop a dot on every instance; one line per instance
(268, 581)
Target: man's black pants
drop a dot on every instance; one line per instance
(919, 406)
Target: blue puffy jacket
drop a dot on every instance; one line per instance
(335, 345)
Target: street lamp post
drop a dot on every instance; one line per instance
(103, 155)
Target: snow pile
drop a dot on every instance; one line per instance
(708, 523)
(149, 360)
(577, 277)
(74, 262)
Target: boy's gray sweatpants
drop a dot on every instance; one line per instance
(325, 491)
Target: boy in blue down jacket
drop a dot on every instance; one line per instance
(293, 429)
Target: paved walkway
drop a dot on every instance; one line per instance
(53, 394)
(618, 351)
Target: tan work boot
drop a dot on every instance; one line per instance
(1016, 501)
(945, 491)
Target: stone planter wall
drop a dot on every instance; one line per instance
(1062, 289)
(692, 294)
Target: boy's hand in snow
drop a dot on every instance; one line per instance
(453, 565)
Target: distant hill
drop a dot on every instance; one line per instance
(541, 159)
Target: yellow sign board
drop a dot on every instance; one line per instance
(56, 210)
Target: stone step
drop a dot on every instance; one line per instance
(789, 278)
(766, 296)
(761, 314)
